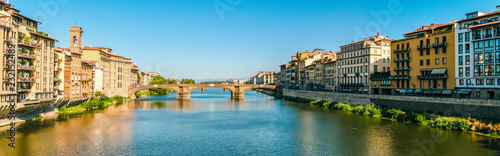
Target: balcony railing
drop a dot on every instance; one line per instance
(26, 55)
(23, 89)
(402, 68)
(400, 77)
(402, 50)
(431, 77)
(25, 67)
(439, 45)
(32, 44)
(25, 79)
(423, 47)
(399, 59)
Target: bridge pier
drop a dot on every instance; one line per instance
(237, 96)
(184, 96)
(224, 90)
(202, 89)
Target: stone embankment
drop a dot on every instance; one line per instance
(478, 108)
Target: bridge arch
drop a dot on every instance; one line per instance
(133, 90)
(184, 90)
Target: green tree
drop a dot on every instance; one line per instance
(187, 81)
(172, 81)
(158, 80)
(213, 82)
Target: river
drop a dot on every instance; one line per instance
(212, 124)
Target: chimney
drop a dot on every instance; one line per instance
(378, 33)
(498, 8)
(90, 45)
(352, 41)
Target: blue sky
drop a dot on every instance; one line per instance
(191, 39)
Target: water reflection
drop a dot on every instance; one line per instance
(258, 125)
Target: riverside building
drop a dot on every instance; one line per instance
(28, 60)
(478, 55)
(423, 63)
(357, 60)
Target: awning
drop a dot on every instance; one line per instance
(349, 90)
(438, 71)
(464, 91)
(437, 91)
(447, 92)
(427, 91)
(360, 90)
(365, 90)
(409, 91)
(419, 91)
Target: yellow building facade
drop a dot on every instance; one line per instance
(422, 63)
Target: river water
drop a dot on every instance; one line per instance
(211, 124)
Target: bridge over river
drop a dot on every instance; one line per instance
(184, 90)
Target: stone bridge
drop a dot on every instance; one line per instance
(184, 90)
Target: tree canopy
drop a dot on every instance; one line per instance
(187, 81)
(213, 82)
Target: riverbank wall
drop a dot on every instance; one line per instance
(28, 113)
(478, 108)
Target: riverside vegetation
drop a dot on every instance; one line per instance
(99, 102)
(484, 127)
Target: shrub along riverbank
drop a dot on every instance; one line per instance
(154, 91)
(98, 103)
(484, 127)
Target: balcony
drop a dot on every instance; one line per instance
(31, 44)
(26, 55)
(439, 45)
(402, 68)
(432, 77)
(25, 79)
(23, 89)
(401, 77)
(357, 74)
(25, 67)
(400, 59)
(403, 50)
(380, 76)
(423, 47)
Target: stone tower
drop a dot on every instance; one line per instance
(76, 39)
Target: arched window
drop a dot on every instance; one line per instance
(74, 40)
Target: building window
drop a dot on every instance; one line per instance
(488, 45)
(497, 57)
(467, 60)
(478, 58)
(421, 62)
(460, 38)
(488, 70)
(460, 71)
(468, 82)
(444, 60)
(467, 71)
(428, 62)
(460, 49)
(479, 82)
(461, 82)
(428, 52)
(478, 70)
(437, 61)
(467, 37)
(460, 60)
(497, 70)
(497, 44)
(490, 82)
(478, 46)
